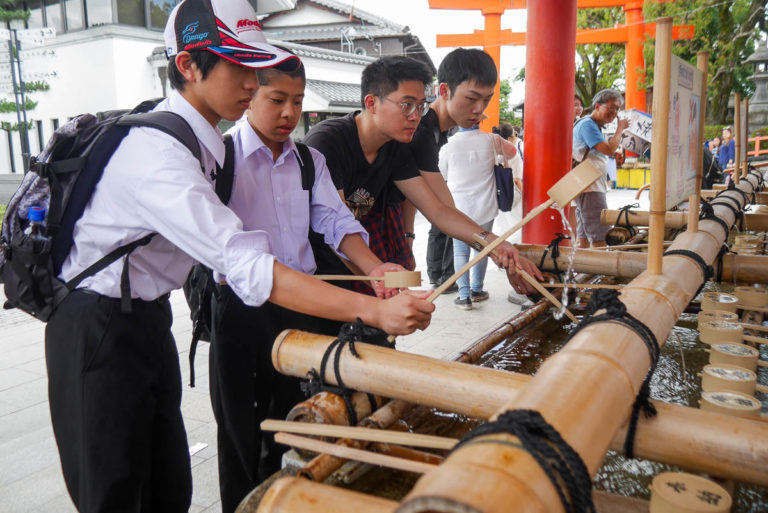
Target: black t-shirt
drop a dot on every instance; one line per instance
(427, 141)
(365, 185)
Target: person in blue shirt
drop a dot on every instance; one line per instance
(589, 143)
(727, 148)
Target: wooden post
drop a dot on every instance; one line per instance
(702, 62)
(737, 137)
(661, 78)
(745, 136)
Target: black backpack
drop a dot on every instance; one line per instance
(62, 179)
(199, 285)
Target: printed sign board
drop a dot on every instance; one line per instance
(683, 135)
(637, 136)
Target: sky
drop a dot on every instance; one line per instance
(426, 23)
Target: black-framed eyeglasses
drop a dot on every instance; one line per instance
(408, 108)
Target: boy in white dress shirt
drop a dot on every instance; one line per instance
(114, 380)
(267, 195)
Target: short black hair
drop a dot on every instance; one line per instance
(384, 75)
(265, 74)
(467, 64)
(505, 130)
(204, 60)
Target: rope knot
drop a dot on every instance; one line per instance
(607, 299)
(553, 249)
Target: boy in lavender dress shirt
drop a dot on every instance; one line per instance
(267, 195)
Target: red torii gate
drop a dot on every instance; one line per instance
(550, 67)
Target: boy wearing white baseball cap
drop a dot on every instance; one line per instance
(113, 369)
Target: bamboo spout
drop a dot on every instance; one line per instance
(735, 448)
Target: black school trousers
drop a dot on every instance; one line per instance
(114, 389)
(246, 389)
(439, 256)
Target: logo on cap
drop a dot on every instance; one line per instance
(245, 24)
(188, 35)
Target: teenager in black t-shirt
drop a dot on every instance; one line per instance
(467, 78)
(362, 160)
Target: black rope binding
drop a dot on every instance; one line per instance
(738, 214)
(625, 210)
(563, 466)
(732, 187)
(350, 333)
(708, 214)
(616, 311)
(720, 196)
(707, 270)
(724, 249)
(553, 249)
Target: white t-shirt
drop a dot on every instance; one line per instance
(466, 162)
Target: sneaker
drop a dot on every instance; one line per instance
(517, 299)
(476, 297)
(463, 302)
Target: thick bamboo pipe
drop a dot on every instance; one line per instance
(622, 264)
(677, 220)
(733, 449)
(702, 63)
(761, 198)
(296, 495)
(585, 392)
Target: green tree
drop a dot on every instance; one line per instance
(506, 115)
(728, 30)
(598, 66)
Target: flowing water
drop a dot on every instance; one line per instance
(568, 277)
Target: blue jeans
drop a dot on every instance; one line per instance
(477, 274)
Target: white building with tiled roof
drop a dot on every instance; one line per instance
(107, 54)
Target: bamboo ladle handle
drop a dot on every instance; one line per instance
(582, 286)
(488, 249)
(350, 453)
(360, 433)
(535, 283)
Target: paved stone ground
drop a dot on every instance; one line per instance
(30, 474)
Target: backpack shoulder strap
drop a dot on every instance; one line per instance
(307, 166)
(167, 122)
(225, 177)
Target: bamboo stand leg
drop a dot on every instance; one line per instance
(737, 136)
(702, 62)
(663, 58)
